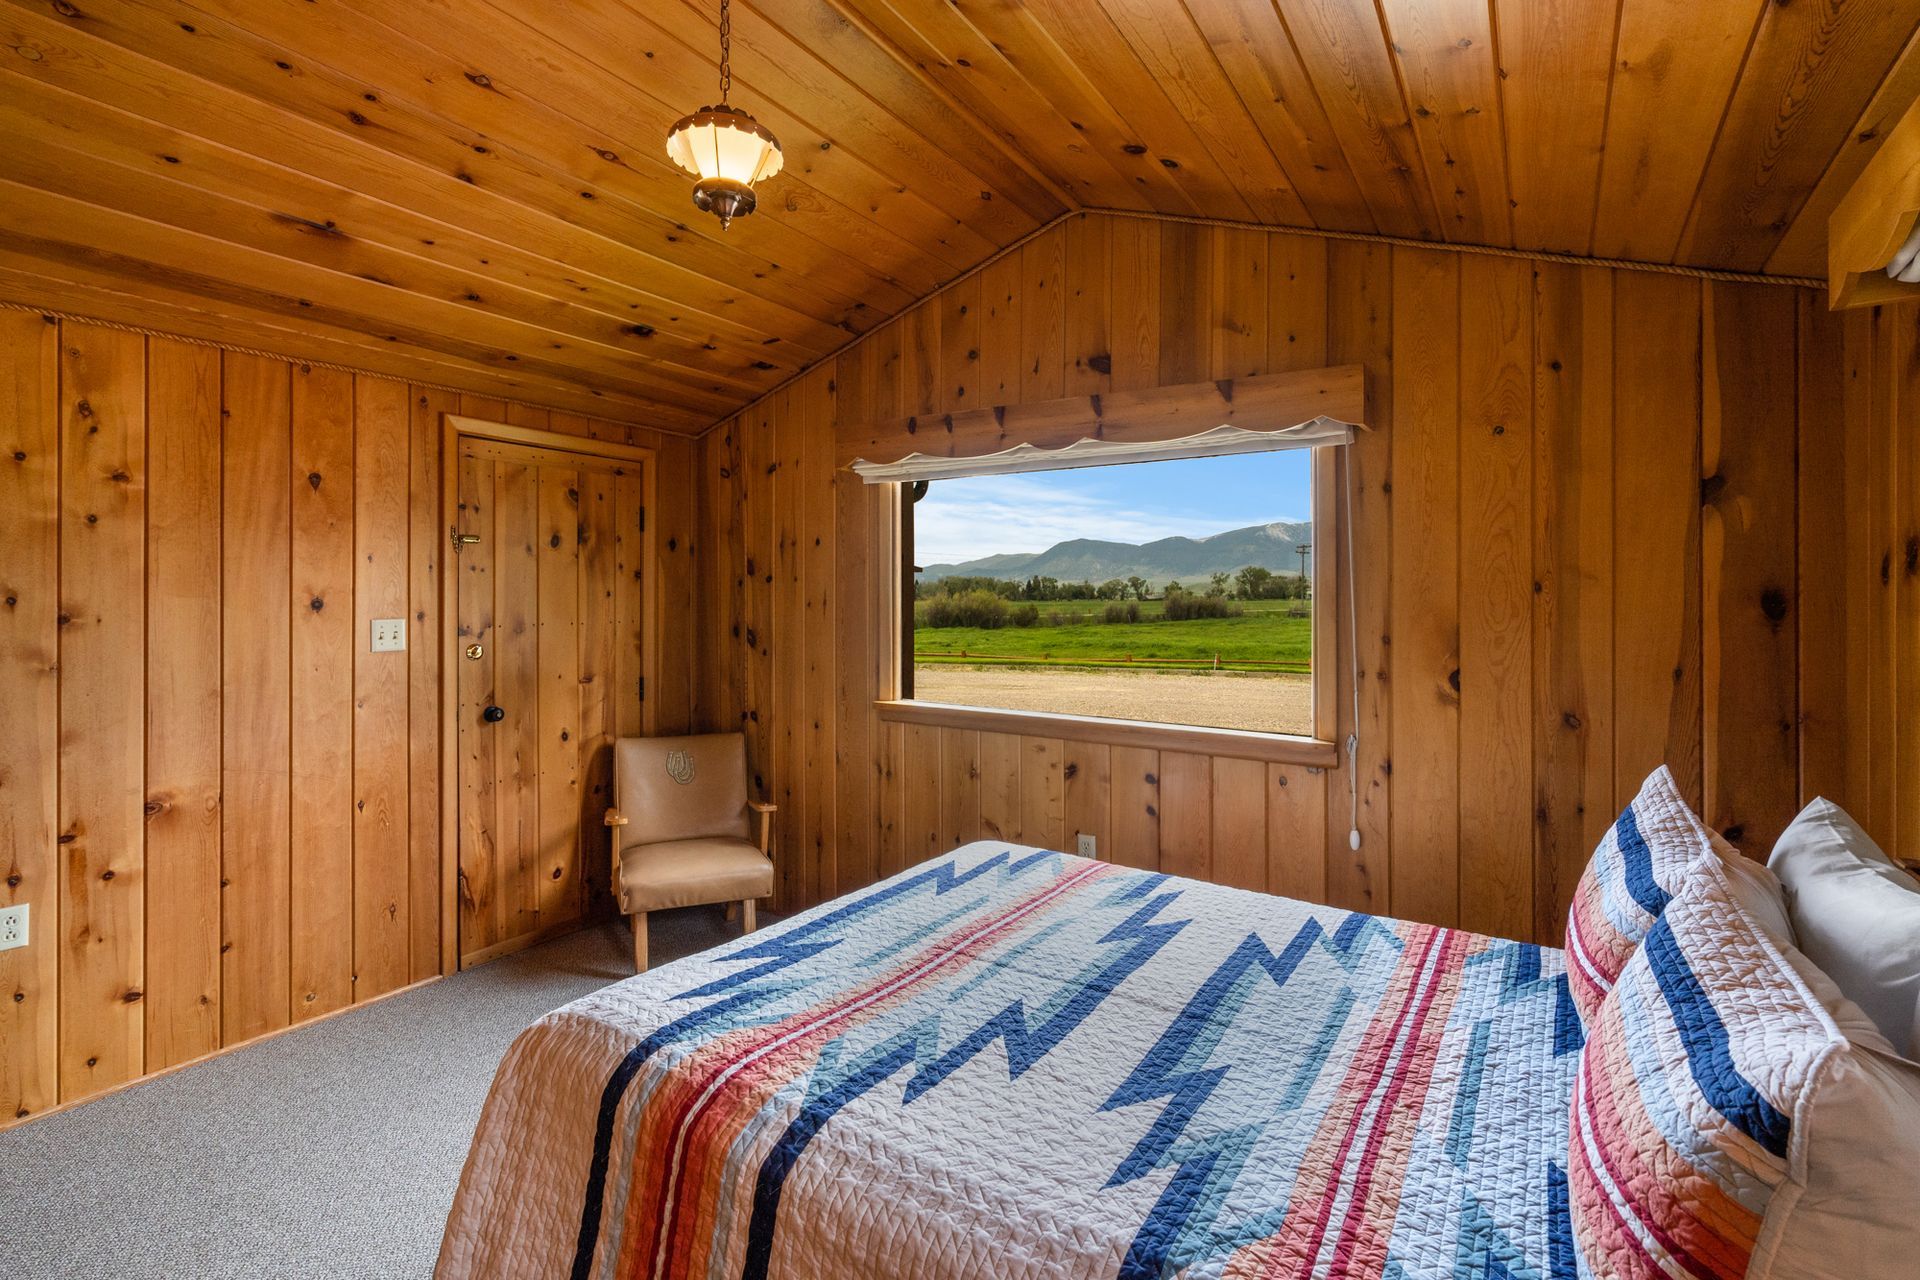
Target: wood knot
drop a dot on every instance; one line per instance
(1773, 603)
(480, 78)
(1570, 720)
(1102, 363)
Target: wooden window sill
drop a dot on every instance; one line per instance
(1241, 744)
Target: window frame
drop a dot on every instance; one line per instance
(1318, 748)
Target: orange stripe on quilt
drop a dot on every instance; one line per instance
(1291, 1250)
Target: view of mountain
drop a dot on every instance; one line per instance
(1186, 560)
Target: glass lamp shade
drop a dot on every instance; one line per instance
(729, 151)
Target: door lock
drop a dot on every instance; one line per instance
(494, 715)
(463, 540)
(474, 652)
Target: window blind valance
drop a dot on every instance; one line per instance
(1216, 442)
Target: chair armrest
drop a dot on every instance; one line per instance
(766, 812)
(613, 819)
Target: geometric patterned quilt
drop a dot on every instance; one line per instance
(1012, 1062)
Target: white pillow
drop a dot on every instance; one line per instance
(1856, 915)
(1759, 891)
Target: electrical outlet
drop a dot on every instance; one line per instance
(13, 927)
(1088, 847)
(389, 635)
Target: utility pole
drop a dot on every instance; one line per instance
(1301, 550)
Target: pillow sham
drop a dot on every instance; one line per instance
(1629, 880)
(1856, 915)
(1725, 1125)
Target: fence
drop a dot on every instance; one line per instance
(1277, 666)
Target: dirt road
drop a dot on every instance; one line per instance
(1271, 704)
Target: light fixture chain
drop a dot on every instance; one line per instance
(726, 51)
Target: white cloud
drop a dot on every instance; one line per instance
(962, 520)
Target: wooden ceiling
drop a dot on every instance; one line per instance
(478, 194)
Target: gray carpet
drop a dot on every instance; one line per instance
(333, 1150)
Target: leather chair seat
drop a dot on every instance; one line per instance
(686, 873)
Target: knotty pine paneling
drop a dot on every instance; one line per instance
(1605, 519)
(222, 810)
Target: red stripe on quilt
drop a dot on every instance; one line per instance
(764, 1058)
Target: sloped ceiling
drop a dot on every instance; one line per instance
(477, 193)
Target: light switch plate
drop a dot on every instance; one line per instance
(389, 635)
(1088, 846)
(13, 927)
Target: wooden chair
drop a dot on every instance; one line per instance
(680, 829)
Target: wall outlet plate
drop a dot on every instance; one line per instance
(389, 635)
(13, 927)
(1088, 846)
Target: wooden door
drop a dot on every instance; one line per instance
(549, 615)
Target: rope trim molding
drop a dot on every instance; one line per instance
(1485, 250)
(1362, 237)
(55, 313)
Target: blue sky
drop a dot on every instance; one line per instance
(962, 520)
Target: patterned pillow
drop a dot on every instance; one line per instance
(1627, 884)
(1723, 1124)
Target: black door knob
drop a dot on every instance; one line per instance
(494, 715)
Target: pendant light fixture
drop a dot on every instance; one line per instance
(727, 149)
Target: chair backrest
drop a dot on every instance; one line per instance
(681, 788)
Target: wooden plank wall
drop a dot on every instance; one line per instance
(1606, 519)
(222, 809)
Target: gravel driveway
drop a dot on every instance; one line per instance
(1227, 700)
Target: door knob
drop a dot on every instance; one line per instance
(494, 715)
(474, 651)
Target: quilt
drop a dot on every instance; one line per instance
(1016, 1062)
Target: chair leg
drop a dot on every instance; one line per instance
(746, 915)
(639, 922)
(733, 911)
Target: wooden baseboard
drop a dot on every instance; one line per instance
(545, 933)
(69, 1104)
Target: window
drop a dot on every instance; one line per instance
(1176, 592)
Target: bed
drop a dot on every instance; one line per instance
(1010, 1061)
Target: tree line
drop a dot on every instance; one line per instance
(1249, 583)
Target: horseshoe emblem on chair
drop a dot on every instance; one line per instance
(680, 766)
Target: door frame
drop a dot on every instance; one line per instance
(454, 428)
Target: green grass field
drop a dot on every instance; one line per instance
(1265, 632)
